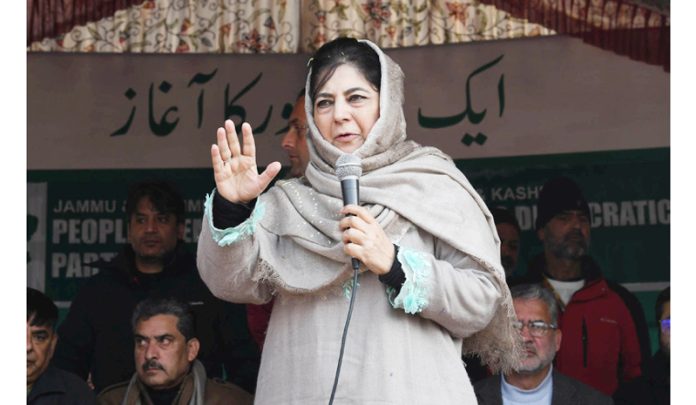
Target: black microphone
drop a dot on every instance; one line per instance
(348, 171)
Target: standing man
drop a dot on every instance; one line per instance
(167, 371)
(536, 381)
(295, 140)
(509, 234)
(295, 144)
(96, 335)
(605, 337)
(46, 384)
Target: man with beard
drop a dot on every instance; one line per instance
(96, 335)
(509, 233)
(167, 372)
(605, 336)
(536, 381)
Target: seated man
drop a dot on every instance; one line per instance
(652, 388)
(95, 335)
(48, 385)
(167, 371)
(536, 382)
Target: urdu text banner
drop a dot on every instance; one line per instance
(511, 113)
(489, 99)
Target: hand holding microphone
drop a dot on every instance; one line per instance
(364, 239)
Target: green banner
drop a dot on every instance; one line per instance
(629, 197)
(83, 220)
(76, 217)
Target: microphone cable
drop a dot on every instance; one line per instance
(348, 170)
(356, 268)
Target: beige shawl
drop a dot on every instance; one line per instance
(403, 183)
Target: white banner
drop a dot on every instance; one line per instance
(487, 99)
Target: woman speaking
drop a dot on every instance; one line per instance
(431, 283)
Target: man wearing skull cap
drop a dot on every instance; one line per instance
(605, 338)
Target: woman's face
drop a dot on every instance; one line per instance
(346, 108)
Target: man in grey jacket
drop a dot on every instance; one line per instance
(535, 381)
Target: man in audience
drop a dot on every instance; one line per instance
(96, 335)
(46, 384)
(509, 233)
(295, 144)
(536, 381)
(295, 140)
(605, 336)
(652, 388)
(167, 371)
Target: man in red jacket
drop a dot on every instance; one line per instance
(605, 337)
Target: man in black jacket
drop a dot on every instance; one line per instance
(653, 387)
(46, 384)
(96, 336)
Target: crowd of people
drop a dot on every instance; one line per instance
(438, 315)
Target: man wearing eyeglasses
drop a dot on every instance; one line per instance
(535, 381)
(653, 387)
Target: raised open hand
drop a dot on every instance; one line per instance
(236, 176)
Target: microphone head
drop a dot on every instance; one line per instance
(348, 165)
